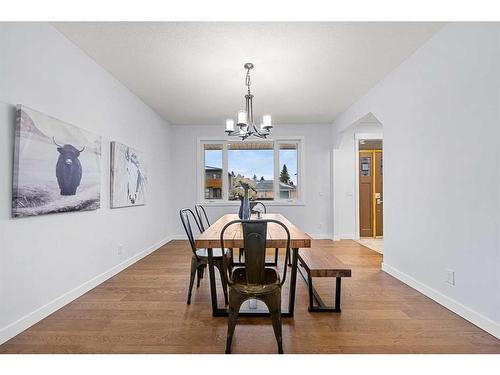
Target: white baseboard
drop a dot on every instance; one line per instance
(465, 312)
(15, 328)
(347, 237)
(321, 236)
(178, 237)
(336, 238)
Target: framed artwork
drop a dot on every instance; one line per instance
(128, 176)
(56, 166)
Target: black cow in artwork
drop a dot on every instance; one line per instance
(68, 168)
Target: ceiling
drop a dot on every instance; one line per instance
(192, 72)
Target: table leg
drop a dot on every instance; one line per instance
(213, 291)
(293, 281)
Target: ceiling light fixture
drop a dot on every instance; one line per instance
(246, 125)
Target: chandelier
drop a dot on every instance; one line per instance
(246, 125)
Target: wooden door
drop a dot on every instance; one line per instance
(379, 196)
(365, 194)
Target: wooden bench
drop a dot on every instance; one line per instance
(318, 262)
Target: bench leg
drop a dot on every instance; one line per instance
(310, 286)
(322, 307)
(337, 293)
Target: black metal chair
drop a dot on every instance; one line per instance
(256, 204)
(202, 216)
(255, 280)
(253, 206)
(205, 223)
(199, 260)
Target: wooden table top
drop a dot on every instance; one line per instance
(233, 237)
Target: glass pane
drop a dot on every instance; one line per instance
(213, 171)
(253, 160)
(365, 166)
(288, 170)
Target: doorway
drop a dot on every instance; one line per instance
(370, 178)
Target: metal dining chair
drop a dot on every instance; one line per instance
(199, 260)
(205, 223)
(255, 280)
(257, 204)
(202, 216)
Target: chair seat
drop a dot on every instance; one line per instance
(216, 253)
(272, 282)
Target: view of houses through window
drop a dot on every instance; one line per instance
(213, 171)
(272, 166)
(254, 160)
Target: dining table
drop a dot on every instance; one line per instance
(233, 239)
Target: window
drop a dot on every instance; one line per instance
(273, 165)
(288, 162)
(253, 160)
(365, 166)
(212, 156)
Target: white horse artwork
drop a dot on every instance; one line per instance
(128, 176)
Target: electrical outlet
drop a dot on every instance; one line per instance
(119, 249)
(450, 277)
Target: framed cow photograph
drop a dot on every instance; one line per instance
(56, 166)
(128, 176)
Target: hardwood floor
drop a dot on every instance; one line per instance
(143, 310)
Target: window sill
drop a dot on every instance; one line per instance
(237, 203)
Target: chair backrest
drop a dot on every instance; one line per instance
(202, 216)
(254, 205)
(254, 244)
(184, 214)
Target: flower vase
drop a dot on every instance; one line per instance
(244, 213)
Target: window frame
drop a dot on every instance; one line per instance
(277, 201)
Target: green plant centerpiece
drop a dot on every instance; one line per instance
(244, 189)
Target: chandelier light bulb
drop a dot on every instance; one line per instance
(229, 125)
(242, 118)
(267, 121)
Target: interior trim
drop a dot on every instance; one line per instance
(465, 312)
(15, 328)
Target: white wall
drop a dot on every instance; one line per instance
(43, 259)
(440, 115)
(344, 179)
(314, 217)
